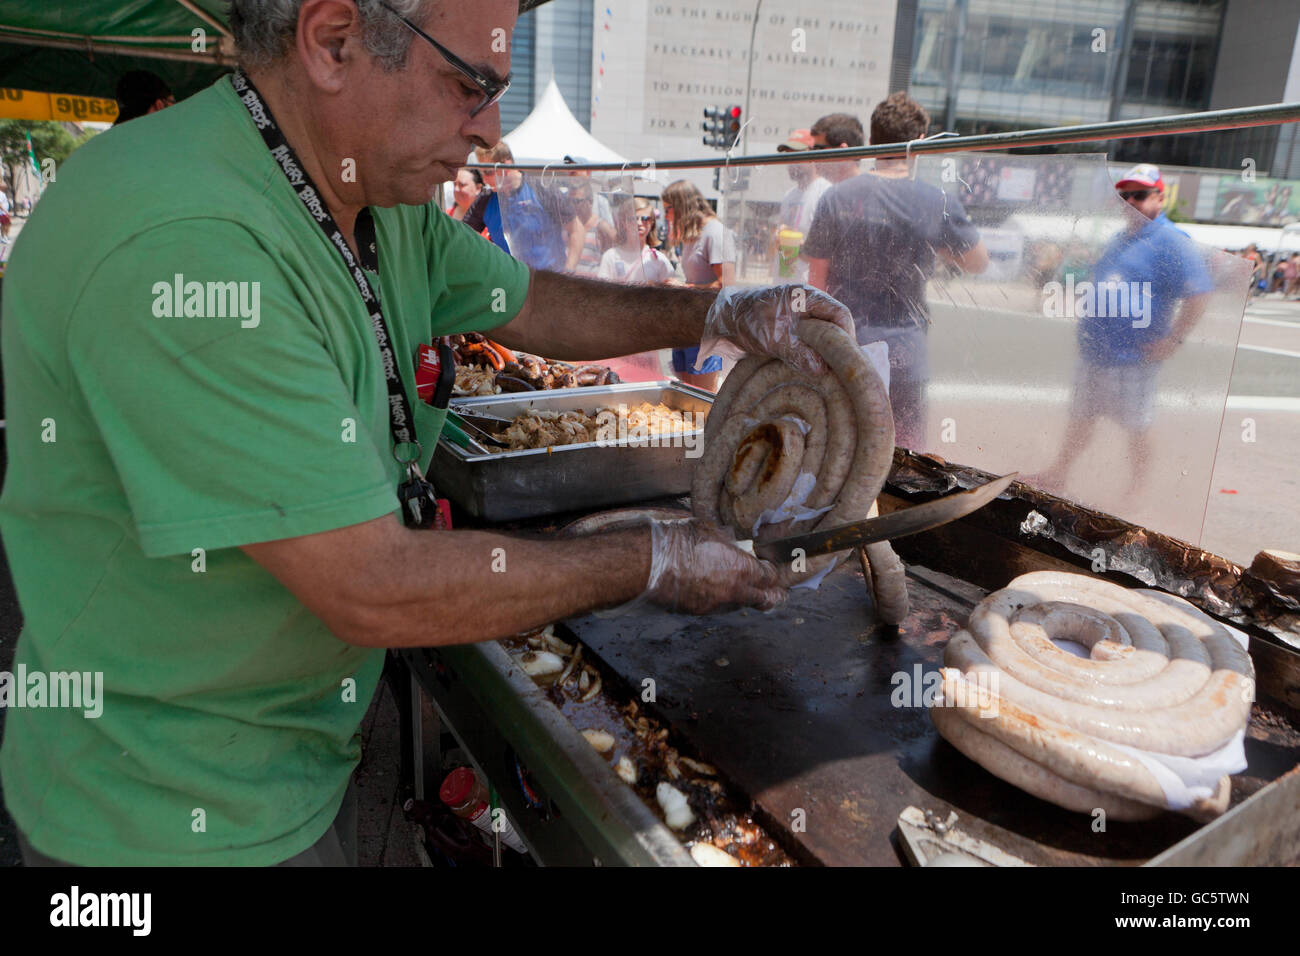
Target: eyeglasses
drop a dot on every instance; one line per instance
(1139, 194)
(492, 89)
(645, 218)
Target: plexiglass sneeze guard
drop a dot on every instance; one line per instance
(1034, 319)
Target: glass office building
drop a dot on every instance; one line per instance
(552, 40)
(982, 66)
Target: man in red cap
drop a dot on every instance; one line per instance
(1129, 327)
(797, 208)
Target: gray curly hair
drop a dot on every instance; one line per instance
(264, 29)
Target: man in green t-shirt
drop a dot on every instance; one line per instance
(201, 507)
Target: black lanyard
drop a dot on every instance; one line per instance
(415, 494)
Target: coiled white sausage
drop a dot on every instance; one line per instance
(771, 424)
(1160, 677)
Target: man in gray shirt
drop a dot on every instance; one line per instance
(872, 245)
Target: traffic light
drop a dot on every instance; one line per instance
(721, 126)
(731, 132)
(715, 118)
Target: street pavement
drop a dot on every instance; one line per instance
(1225, 432)
(1256, 485)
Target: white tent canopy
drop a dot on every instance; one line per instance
(551, 132)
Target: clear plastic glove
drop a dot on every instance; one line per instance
(696, 568)
(761, 320)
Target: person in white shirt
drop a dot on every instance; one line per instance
(5, 219)
(635, 261)
(632, 261)
(797, 206)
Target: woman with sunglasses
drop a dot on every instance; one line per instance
(708, 262)
(634, 260)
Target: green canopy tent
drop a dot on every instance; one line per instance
(82, 47)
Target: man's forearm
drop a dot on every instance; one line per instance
(381, 585)
(475, 585)
(577, 319)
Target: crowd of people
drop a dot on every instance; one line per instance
(870, 238)
(1274, 272)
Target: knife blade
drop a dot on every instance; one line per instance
(896, 524)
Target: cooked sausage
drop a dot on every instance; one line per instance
(509, 383)
(888, 579)
(845, 442)
(1191, 706)
(1004, 762)
(1161, 677)
(770, 457)
(534, 367)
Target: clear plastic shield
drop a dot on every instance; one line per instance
(1035, 321)
(605, 226)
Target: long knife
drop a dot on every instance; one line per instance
(896, 524)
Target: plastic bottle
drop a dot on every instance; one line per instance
(467, 797)
(789, 243)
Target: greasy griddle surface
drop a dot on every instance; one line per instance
(795, 708)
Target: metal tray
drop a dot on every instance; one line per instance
(511, 485)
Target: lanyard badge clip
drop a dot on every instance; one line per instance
(421, 506)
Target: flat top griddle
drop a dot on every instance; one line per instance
(795, 707)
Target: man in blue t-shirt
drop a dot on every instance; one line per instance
(534, 223)
(1131, 321)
